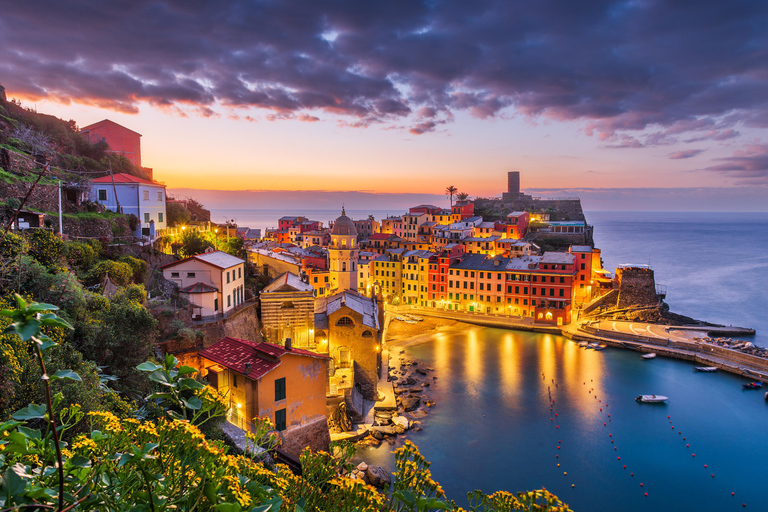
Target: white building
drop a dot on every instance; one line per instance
(133, 195)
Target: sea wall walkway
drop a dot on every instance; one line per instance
(680, 342)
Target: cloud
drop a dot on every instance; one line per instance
(686, 153)
(610, 64)
(749, 165)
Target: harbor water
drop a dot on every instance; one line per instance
(492, 427)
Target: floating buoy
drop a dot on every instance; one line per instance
(610, 435)
(556, 456)
(631, 474)
(625, 466)
(641, 484)
(646, 494)
(601, 408)
(573, 485)
(687, 445)
(744, 505)
(712, 475)
(608, 415)
(605, 424)
(565, 473)
(558, 465)
(555, 414)
(668, 416)
(559, 448)
(673, 427)
(693, 455)
(557, 426)
(733, 494)
(679, 432)
(558, 441)
(611, 441)
(551, 419)
(615, 448)
(619, 458)
(705, 466)
(683, 439)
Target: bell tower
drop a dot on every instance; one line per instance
(343, 254)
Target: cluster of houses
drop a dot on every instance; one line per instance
(446, 259)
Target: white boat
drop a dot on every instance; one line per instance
(649, 356)
(651, 399)
(583, 344)
(400, 318)
(705, 368)
(600, 346)
(593, 345)
(411, 322)
(414, 317)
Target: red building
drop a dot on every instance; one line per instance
(462, 210)
(516, 225)
(121, 140)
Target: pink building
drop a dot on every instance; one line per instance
(121, 140)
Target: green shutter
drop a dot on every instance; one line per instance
(280, 420)
(279, 389)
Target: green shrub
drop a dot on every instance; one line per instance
(175, 326)
(13, 245)
(120, 273)
(134, 293)
(46, 247)
(79, 254)
(140, 267)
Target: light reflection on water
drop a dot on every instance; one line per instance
(493, 429)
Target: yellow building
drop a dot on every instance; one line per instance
(284, 384)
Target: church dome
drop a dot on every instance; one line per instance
(344, 226)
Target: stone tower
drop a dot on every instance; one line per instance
(342, 254)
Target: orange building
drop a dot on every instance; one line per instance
(284, 384)
(121, 140)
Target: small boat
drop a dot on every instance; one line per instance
(417, 318)
(705, 368)
(411, 322)
(400, 318)
(600, 346)
(583, 344)
(766, 396)
(752, 385)
(651, 399)
(593, 345)
(649, 356)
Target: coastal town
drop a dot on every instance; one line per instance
(313, 346)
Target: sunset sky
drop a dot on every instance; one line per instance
(407, 96)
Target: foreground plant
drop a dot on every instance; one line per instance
(168, 464)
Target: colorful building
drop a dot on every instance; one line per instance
(132, 195)
(264, 380)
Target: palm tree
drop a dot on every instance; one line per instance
(450, 191)
(462, 196)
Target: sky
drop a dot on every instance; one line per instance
(619, 101)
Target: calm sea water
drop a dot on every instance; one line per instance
(493, 428)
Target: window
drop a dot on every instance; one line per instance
(240, 272)
(102, 194)
(146, 195)
(229, 301)
(160, 217)
(146, 218)
(216, 304)
(227, 276)
(280, 420)
(159, 196)
(345, 320)
(582, 266)
(316, 278)
(562, 279)
(234, 380)
(517, 289)
(174, 274)
(562, 292)
(190, 274)
(279, 389)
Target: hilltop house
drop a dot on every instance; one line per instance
(214, 282)
(120, 139)
(133, 195)
(284, 384)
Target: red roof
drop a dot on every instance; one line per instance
(380, 236)
(235, 353)
(124, 178)
(198, 288)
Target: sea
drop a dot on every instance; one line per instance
(518, 411)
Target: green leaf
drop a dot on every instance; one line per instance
(148, 366)
(261, 508)
(66, 374)
(124, 459)
(30, 412)
(52, 320)
(46, 343)
(228, 507)
(36, 307)
(187, 369)
(149, 447)
(30, 433)
(25, 329)
(20, 302)
(79, 461)
(193, 403)
(190, 384)
(175, 415)
(405, 496)
(14, 479)
(160, 377)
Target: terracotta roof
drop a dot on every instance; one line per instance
(199, 288)
(104, 122)
(122, 177)
(235, 353)
(380, 236)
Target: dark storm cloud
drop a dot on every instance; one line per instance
(620, 66)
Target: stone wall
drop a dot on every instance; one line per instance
(93, 228)
(609, 299)
(43, 198)
(637, 287)
(562, 209)
(243, 324)
(313, 434)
